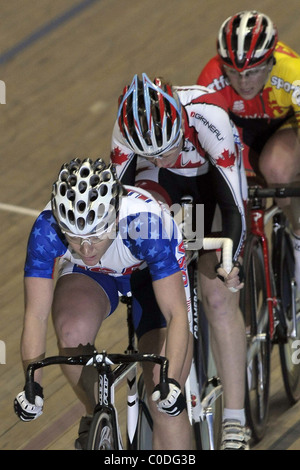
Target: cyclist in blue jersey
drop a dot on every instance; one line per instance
(101, 232)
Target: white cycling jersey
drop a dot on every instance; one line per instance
(210, 140)
(209, 136)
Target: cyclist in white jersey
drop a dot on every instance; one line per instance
(178, 141)
(101, 232)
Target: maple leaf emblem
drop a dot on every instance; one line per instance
(117, 156)
(226, 160)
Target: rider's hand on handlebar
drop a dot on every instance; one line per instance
(234, 278)
(28, 404)
(174, 403)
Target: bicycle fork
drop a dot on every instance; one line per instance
(202, 410)
(132, 408)
(107, 396)
(257, 228)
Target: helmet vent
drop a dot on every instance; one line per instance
(81, 223)
(91, 217)
(101, 210)
(103, 190)
(94, 180)
(105, 176)
(64, 175)
(84, 172)
(93, 195)
(63, 189)
(72, 180)
(62, 210)
(99, 165)
(71, 195)
(71, 217)
(82, 187)
(81, 206)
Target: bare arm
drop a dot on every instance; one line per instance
(171, 299)
(38, 301)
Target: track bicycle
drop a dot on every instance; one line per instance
(203, 389)
(268, 302)
(105, 432)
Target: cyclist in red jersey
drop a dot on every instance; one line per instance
(259, 78)
(175, 141)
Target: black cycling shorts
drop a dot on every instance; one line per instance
(146, 313)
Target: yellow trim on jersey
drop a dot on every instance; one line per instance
(283, 85)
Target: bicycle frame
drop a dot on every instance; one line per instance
(260, 216)
(268, 302)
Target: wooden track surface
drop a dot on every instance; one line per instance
(64, 64)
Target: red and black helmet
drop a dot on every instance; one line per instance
(246, 40)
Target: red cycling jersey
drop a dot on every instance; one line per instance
(277, 105)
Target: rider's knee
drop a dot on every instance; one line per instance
(215, 307)
(70, 337)
(221, 307)
(279, 161)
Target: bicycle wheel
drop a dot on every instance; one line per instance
(284, 266)
(253, 304)
(145, 423)
(103, 431)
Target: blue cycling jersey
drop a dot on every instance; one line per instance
(146, 236)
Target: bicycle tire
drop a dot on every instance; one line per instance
(253, 304)
(145, 423)
(103, 431)
(284, 266)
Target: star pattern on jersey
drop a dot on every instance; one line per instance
(148, 243)
(44, 244)
(140, 226)
(37, 263)
(36, 232)
(145, 247)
